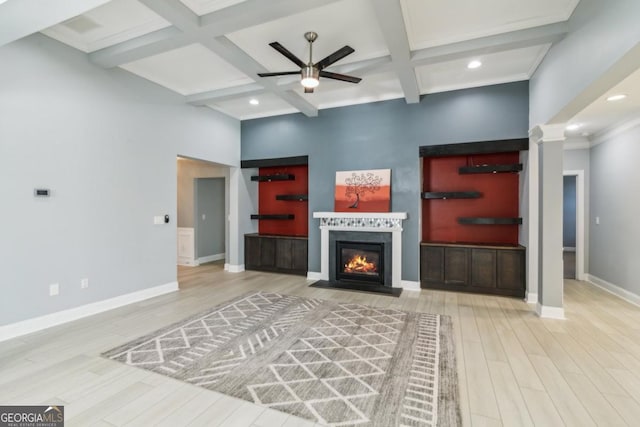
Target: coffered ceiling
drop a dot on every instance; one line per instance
(210, 51)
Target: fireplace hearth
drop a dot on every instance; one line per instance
(360, 262)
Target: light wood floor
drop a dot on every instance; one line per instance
(514, 368)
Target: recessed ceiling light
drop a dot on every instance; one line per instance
(474, 64)
(574, 126)
(619, 97)
(254, 101)
(2, 1)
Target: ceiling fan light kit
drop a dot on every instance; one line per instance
(310, 73)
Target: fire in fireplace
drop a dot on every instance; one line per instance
(360, 261)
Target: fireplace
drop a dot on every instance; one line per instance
(360, 262)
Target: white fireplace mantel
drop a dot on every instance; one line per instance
(374, 222)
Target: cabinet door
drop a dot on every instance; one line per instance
(483, 268)
(283, 253)
(456, 266)
(267, 252)
(299, 255)
(432, 264)
(251, 252)
(511, 269)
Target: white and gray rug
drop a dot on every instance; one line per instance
(335, 364)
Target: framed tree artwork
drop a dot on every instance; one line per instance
(363, 191)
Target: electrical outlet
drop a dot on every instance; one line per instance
(84, 283)
(54, 289)
(157, 220)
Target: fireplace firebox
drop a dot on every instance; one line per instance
(360, 262)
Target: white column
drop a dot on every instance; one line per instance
(547, 141)
(324, 253)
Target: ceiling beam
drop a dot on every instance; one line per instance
(519, 39)
(227, 50)
(185, 31)
(389, 13)
(219, 95)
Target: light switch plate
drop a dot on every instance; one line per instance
(54, 289)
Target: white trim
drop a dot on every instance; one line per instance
(576, 144)
(314, 275)
(548, 312)
(35, 324)
(614, 289)
(210, 258)
(581, 221)
(531, 298)
(234, 268)
(410, 285)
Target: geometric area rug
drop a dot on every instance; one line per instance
(335, 364)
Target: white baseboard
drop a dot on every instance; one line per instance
(210, 258)
(549, 312)
(314, 275)
(614, 289)
(234, 268)
(410, 285)
(36, 324)
(531, 298)
(187, 262)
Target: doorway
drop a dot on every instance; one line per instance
(573, 235)
(203, 209)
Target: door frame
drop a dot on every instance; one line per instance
(580, 222)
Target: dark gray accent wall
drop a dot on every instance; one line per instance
(386, 135)
(569, 212)
(209, 216)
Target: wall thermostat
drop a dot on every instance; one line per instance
(41, 192)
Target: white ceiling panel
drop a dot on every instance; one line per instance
(436, 22)
(240, 108)
(372, 88)
(202, 7)
(502, 67)
(603, 114)
(114, 22)
(188, 70)
(348, 22)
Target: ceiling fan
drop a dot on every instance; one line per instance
(310, 73)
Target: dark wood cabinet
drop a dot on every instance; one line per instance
(281, 254)
(497, 270)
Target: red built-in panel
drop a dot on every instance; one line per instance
(500, 195)
(267, 203)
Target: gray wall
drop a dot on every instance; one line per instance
(210, 216)
(569, 212)
(105, 142)
(188, 171)
(615, 185)
(386, 135)
(601, 32)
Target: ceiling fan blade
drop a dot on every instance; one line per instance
(341, 77)
(282, 73)
(334, 57)
(308, 90)
(283, 50)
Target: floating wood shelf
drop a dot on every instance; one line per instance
(517, 167)
(272, 216)
(451, 195)
(293, 197)
(489, 221)
(277, 177)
